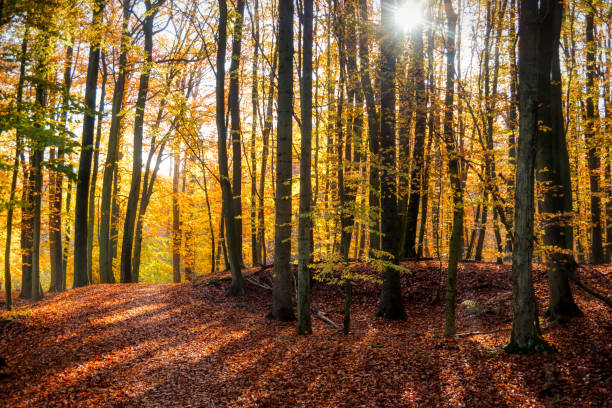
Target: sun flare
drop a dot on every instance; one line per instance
(409, 14)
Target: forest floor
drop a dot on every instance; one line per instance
(185, 345)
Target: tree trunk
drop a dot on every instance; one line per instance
(456, 239)
(81, 277)
(391, 305)
(18, 151)
(143, 89)
(282, 308)
(26, 231)
(91, 213)
(591, 140)
(176, 213)
(525, 335)
(55, 193)
(420, 122)
(373, 125)
(553, 173)
(255, 252)
(305, 223)
(105, 236)
(235, 128)
(237, 286)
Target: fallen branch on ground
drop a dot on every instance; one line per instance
(321, 316)
(592, 292)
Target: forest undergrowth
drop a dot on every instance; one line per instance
(188, 345)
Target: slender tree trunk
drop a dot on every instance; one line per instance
(55, 192)
(237, 286)
(81, 277)
(391, 305)
(456, 239)
(373, 125)
(68, 234)
(267, 129)
(591, 140)
(235, 128)
(420, 122)
(143, 89)
(176, 213)
(282, 308)
(255, 252)
(26, 231)
(305, 223)
(105, 235)
(91, 212)
(15, 174)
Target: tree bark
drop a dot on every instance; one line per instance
(526, 336)
(456, 239)
(391, 305)
(591, 140)
(373, 125)
(420, 122)
(305, 220)
(176, 213)
(81, 277)
(105, 236)
(143, 89)
(282, 308)
(235, 128)
(91, 213)
(553, 174)
(237, 286)
(58, 281)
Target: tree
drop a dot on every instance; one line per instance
(526, 335)
(597, 255)
(305, 223)
(110, 165)
(237, 286)
(553, 173)
(456, 239)
(420, 121)
(143, 89)
(91, 212)
(14, 175)
(58, 279)
(391, 305)
(81, 277)
(176, 212)
(234, 108)
(282, 308)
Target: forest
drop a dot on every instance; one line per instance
(333, 203)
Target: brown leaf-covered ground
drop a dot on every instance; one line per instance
(189, 346)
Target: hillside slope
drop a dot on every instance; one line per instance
(189, 346)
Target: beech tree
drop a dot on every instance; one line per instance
(282, 307)
(81, 277)
(391, 305)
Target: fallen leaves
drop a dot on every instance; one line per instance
(185, 345)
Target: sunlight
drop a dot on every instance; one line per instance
(409, 14)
